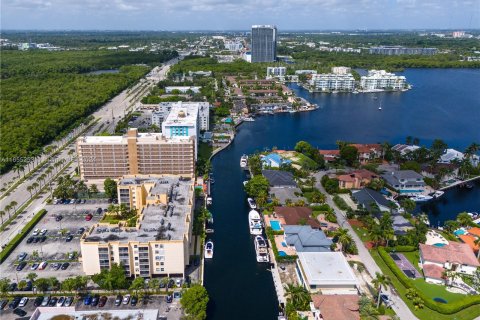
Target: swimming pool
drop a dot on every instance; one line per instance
(284, 244)
(439, 244)
(459, 232)
(282, 253)
(275, 224)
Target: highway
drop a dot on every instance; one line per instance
(108, 116)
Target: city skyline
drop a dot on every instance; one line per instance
(239, 15)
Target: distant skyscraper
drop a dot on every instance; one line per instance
(264, 43)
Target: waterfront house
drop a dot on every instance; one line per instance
(452, 156)
(370, 200)
(455, 256)
(356, 179)
(277, 178)
(405, 149)
(335, 307)
(405, 181)
(296, 216)
(306, 239)
(274, 160)
(368, 152)
(328, 272)
(330, 155)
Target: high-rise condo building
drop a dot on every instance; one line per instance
(264, 43)
(101, 157)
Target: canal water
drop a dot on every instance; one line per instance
(444, 104)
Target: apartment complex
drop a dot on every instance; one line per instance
(233, 45)
(102, 157)
(326, 82)
(264, 43)
(273, 72)
(341, 70)
(398, 50)
(182, 121)
(380, 79)
(160, 114)
(159, 244)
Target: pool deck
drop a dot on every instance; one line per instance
(288, 250)
(274, 218)
(434, 237)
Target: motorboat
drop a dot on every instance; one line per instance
(248, 119)
(209, 201)
(421, 198)
(254, 222)
(251, 203)
(437, 194)
(208, 230)
(244, 161)
(209, 250)
(245, 182)
(261, 249)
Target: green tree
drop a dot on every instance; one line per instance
(32, 276)
(93, 189)
(380, 281)
(4, 286)
(298, 296)
(408, 204)
(22, 285)
(111, 279)
(349, 154)
(137, 284)
(42, 284)
(194, 301)
(110, 188)
(344, 238)
(257, 186)
(367, 309)
(465, 220)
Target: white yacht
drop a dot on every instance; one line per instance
(421, 198)
(209, 250)
(244, 161)
(251, 203)
(437, 194)
(261, 249)
(248, 119)
(209, 201)
(245, 182)
(254, 222)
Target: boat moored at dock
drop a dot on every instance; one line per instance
(261, 249)
(209, 249)
(254, 222)
(244, 161)
(251, 203)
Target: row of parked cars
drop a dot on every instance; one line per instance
(81, 201)
(42, 266)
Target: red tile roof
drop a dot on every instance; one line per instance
(346, 178)
(330, 152)
(293, 215)
(433, 271)
(337, 307)
(475, 231)
(470, 240)
(453, 252)
(366, 148)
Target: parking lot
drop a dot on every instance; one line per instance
(55, 240)
(166, 310)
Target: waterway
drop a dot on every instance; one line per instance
(444, 103)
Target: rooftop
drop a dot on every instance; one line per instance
(454, 252)
(159, 221)
(306, 239)
(297, 215)
(367, 196)
(433, 271)
(326, 268)
(47, 313)
(182, 114)
(278, 178)
(337, 307)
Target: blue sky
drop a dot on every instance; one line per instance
(239, 14)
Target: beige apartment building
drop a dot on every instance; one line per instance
(101, 157)
(159, 245)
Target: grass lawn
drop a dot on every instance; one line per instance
(204, 150)
(110, 219)
(425, 313)
(362, 233)
(436, 290)
(305, 161)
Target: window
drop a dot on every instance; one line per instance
(157, 251)
(157, 263)
(162, 263)
(135, 246)
(161, 246)
(162, 269)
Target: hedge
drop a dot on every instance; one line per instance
(271, 236)
(19, 237)
(450, 308)
(340, 202)
(401, 249)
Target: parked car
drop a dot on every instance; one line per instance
(69, 238)
(126, 299)
(38, 301)
(45, 301)
(102, 301)
(43, 232)
(95, 300)
(169, 298)
(171, 283)
(134, 300)
(56, 266)
(36, 239)
(99, 211)
(21, 265)
(43, 265)
(68, 302)
(35, 232)
(30, 240)
(71, 256)
(386, 299)
(34, 266)
(12, 287)
(3, 304)
(163, 284)
(60, 301)
(118, 300)
(20, 312)
(43, 238)
(22, 256)
(87, 300)
(80, 231)
(23, 302)
(58, 218)
(65, 265)
(178, 282)
(14, 303)
(88, 217)
(53, 302)
(29, 286)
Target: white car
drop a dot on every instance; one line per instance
(23, 302)
(126, 299)
(36, 232)
(43, 232)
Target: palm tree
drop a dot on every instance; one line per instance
(2, 213)
(29, 189)
(8, 208)
(344, 238)
(35, 185)
(464, 219)
(376, 234)
(32, 276)
(380, 281)
(14, 204)
(298, 295)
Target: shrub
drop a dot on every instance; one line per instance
(340, 202)
(401, 249)
(19, 237)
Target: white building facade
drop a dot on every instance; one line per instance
(327, 82)
(381, 80)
